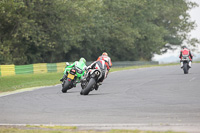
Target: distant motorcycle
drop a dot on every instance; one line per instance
(92, 77)
(185, 64)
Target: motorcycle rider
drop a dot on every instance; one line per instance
(108, 63)
(81, 64)
(185, 52)
(107, 59)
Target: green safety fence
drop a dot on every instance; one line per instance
(129, 63)
(51, 67)
(8, 70)
(133, 63)
(24, 69)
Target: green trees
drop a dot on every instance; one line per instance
(33, 31)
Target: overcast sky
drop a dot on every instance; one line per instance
(195, 16)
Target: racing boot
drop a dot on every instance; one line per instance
(62, 79)
(74, 84)
(82, 80)
(100, 83)
(190, 64)
(181, 64)
(96, 87)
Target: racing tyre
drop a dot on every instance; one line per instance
(185, 68)
(88, 88)
(66, 85)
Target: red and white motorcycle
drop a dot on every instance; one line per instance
(185, 63)
(95, 75)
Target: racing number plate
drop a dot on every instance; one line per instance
(70, 76)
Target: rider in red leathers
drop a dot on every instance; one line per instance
(107, 59)
(186, 52)
(108, 63)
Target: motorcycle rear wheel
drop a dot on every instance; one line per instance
(88, 88)
(66, 86)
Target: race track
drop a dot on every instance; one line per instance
(148, 96)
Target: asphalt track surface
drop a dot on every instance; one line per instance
(156, 98)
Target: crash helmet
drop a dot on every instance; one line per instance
(83, 60)
(104, 53)
(184, 47)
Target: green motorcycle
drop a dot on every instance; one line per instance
(73, 74)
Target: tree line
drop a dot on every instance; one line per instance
(36, 31)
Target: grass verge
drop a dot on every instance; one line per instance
(136, 67)
(52, 127)
(64, 129)
(12, 83)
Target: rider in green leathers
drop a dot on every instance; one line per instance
(81, 64)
